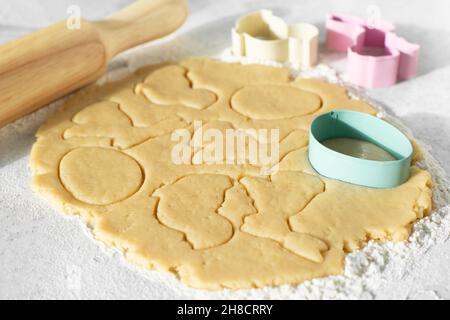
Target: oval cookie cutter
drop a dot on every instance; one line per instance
(393, 59)
(362, 126)
(262, 35)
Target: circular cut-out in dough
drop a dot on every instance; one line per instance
(99, 175)
(272, 102)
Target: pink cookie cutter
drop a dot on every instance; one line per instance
(376, 56)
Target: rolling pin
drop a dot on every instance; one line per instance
(49, 63)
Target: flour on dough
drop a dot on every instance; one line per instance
(106, 156)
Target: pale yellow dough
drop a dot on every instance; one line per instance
(358, 149)
(106, 156)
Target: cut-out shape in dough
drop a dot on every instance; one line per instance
(138, 108)
(237, 205)
(105, 112)
(189, 207)
(287, 193)
(271, 102)
(306, 246)
(106, 120)
(99, 175)
(331, 208)
(170, 86)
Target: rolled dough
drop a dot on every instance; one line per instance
(106, 156)
(358, 149)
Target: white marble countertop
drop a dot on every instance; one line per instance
(41, 251)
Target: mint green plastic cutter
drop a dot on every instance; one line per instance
(362, 126)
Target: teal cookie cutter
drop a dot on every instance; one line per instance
(362, 126)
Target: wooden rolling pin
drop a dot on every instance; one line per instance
(54, 61)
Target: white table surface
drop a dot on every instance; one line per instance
(40, 249)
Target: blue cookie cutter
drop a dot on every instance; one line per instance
(362, 126)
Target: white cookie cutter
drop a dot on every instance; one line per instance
(262, 35)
